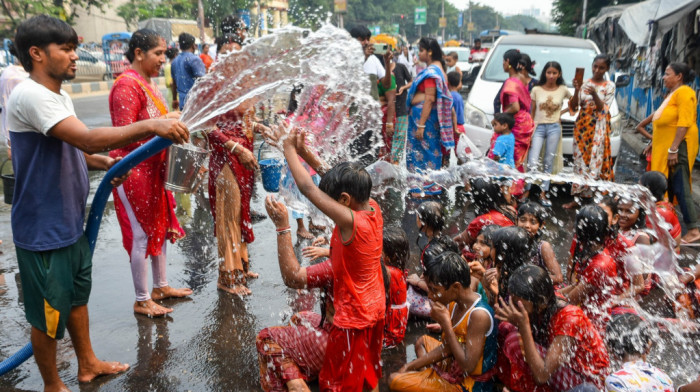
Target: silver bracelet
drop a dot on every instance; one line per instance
(420, 126)
(234, 147)
(673, 151)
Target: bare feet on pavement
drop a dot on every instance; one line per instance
(169, 292)
(251, 275)
(237, 289)
(305, 234)
(150, 308)
(91, 371)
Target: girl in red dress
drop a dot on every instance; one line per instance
(545, 343)
(144, 208)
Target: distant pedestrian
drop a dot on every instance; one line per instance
(372, 66)
(592, 153)
(674, 145)
(13, 75)
(206, 59)
(186, 68)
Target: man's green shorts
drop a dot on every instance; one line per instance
(53, 282)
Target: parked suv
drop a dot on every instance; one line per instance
(569, 52)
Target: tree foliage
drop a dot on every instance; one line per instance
(138, 10)
(20, 10)
(567, 13)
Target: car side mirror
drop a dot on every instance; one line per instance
(622, 80)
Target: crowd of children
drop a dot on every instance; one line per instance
(508, 318)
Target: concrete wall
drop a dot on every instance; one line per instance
(92, 26)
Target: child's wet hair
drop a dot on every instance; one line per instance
(611, 203)
(504, 118)
(533, 209)
(395, 246)
(487, 195)
(448, 270)
(348, 177)
(487, 231)
(627, 334)
(656, 182)
(436, 248)
(591, 225)
(533, 283)
(513, 249)
(432, 215)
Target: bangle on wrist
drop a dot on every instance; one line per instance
(287, 230)
(420, 126)
(670, 151)
(233, 149)
(284, 228)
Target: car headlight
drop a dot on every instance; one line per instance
(476, 117)
(616, 125)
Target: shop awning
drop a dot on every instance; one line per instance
(637, 20)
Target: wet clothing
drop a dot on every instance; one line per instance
(403, 77)
(668, 213)
(53, 282)
(396, 318)
(638, 376)
(447, 375)
(589, 362)
(130, 100)
(601, 273)
(230, 190)
(492, 217)
(296, 351)
(51, 179)
(592, 153)
(358, 288)
(360, 305)
(186, 68)
(385, 150)
(356, 349)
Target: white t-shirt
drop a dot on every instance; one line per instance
(549, 103)
(373, 66)
(51, 180)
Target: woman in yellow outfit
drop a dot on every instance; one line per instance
(674, 143)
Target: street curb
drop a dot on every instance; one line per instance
(637, 143)
(81, 89)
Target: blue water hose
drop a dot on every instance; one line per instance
(149, 149)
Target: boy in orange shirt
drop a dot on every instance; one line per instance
(352, 360)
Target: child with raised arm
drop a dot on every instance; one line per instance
(355, 339)
(464, 360)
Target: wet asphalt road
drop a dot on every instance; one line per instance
(207, 343)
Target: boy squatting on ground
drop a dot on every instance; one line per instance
(51, 154)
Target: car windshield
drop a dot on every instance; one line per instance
(569, 58)
(463, 53)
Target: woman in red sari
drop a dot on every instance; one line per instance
(144, 208)
(516, 100)
(231, 179)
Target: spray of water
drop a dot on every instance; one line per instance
(343, 123)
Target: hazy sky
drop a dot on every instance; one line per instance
(508, 6)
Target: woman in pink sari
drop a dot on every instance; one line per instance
(516, 100)
(144, 208)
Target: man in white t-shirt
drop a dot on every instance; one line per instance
(372, 66)
(52, 151)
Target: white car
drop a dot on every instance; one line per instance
(569, 52)
(90, 67)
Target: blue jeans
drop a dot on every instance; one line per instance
(547, 135)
